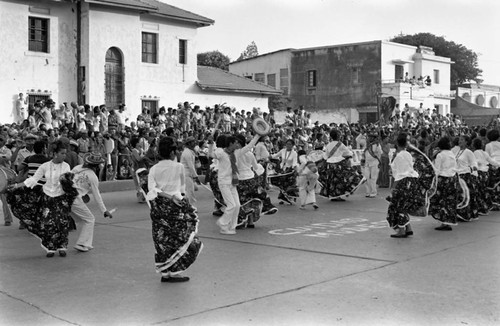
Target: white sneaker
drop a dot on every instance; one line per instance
(373, 196)
(81, 248)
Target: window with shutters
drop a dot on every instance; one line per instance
(38, 33)
(149, 48)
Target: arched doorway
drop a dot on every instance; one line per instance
(114, 74)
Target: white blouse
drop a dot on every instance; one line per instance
(493, 150)
(445, 164)
(288, 158)
(52, 172)
(245, 163)
(466, 161)
(483, 159)
(166, 176)
(339, 154)
(402, 166)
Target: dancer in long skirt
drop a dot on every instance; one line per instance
(483, 160)
(467, 171)
(252, 195)
(406, 196)
(174, 219)
(285, 179)
(493, 150)
(46, 213)
(443, 205)
(338, 179)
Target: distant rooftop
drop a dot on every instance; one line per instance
(215, 79)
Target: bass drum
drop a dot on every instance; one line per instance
(7, 177)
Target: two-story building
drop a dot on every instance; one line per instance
(138, 52)
(351, 78)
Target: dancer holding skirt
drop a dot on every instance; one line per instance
(175, 222)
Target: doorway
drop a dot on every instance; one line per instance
(114, 85)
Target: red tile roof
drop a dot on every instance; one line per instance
(215, 79)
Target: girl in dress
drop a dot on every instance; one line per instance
(406, 195)
(483, 160)
(285, 180)
(337, 177)
(467, 171)
(443, 205)
(175, 222)
(46, 213)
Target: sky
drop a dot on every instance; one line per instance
(281, 24)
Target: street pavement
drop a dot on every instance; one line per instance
(333, 266)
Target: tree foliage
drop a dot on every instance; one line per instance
(250, 51)
(464, 69)
(214, 59)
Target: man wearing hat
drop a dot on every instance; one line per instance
(86, 182)
(188, 158)
(24, 151)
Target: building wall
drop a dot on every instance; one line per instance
(487, 98)
(390, 54)
(417, 64)
(239, 101)
(167, 80)
(23, 71)
(267, 64)
(337, 86)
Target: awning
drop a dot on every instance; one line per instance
(402, 61)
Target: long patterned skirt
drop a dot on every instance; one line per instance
(425, 171)
(443, 205)
(286, 181)
(339, 179)
(471, 211)
(214, 185)
(483, 193)
(383, 175)
(494, 185)
(407, 197)
(174, 235)
(47, 218)
(251, 204)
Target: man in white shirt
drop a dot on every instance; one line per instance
(86, 182)
(228, 180)
(188, 158)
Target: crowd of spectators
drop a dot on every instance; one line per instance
(129, 143)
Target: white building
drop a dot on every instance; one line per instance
(137, 52)
(346, 78)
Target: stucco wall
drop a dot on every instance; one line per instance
(240, 101)
(393, 51)
(167, 80)
(267, 64)
(334, 65)
(23, 70)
